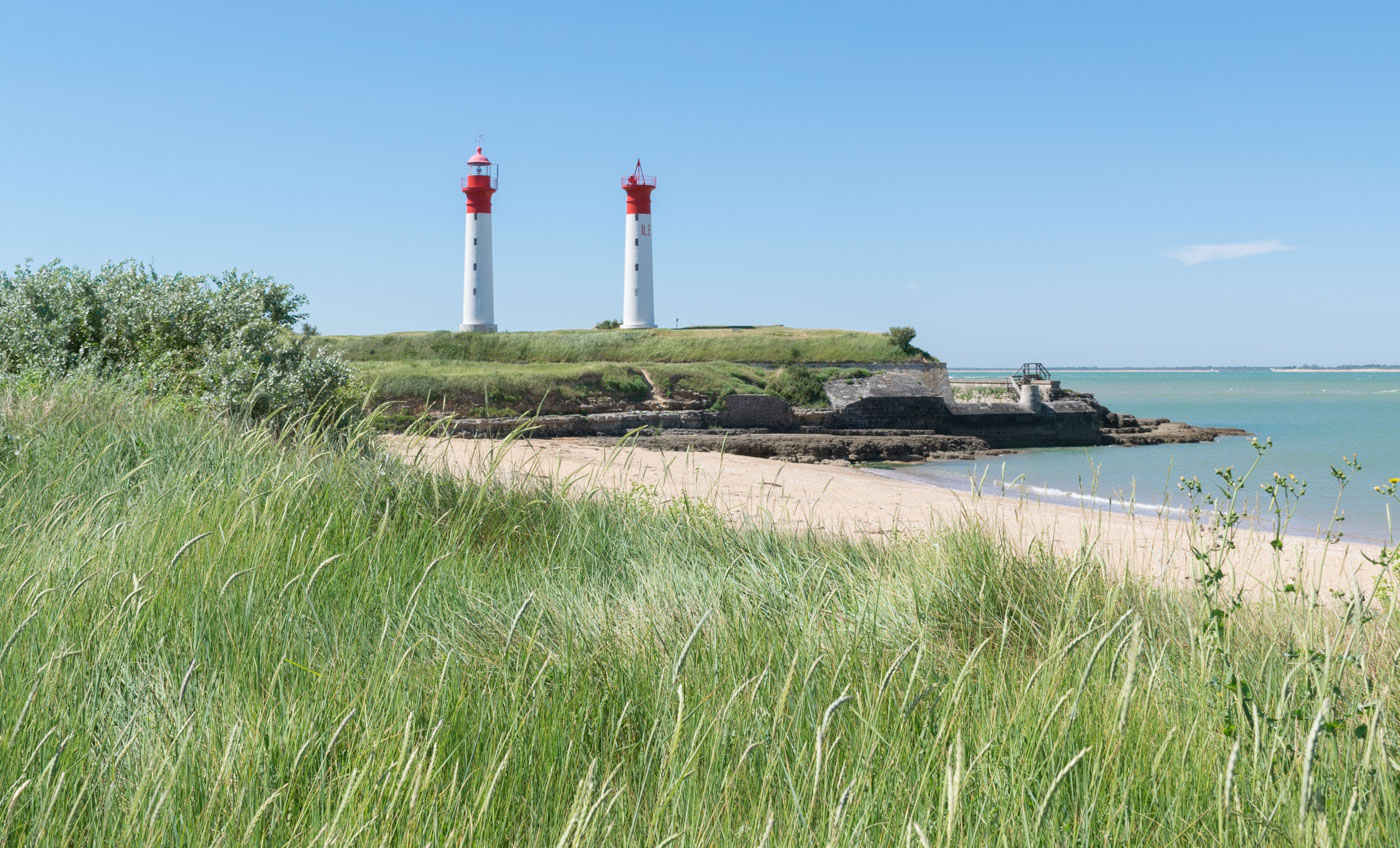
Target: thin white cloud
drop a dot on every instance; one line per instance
(1195, 254)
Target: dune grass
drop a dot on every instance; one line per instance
(212, 635)
(756, 344)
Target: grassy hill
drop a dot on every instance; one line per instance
(216, 636)
(567, 371)
(750, 344)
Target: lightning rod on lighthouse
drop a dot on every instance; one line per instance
(638, 310)
(478, 298)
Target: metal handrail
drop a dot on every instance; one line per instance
(1031, 372)
(633, 180)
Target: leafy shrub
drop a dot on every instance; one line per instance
(798, 385)
(628, 384)
(227, 339)
(609, 324)
(903, 338)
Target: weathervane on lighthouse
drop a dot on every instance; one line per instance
(638, 311)
(478, 299)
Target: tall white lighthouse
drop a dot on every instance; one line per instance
(638, 311)
(478, 300)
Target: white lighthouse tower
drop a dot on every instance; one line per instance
(638, 311)
(478, 300)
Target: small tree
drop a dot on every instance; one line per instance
(903, 338)
(609, 324)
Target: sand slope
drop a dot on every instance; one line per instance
(832, 499)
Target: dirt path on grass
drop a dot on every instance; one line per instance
(858, 502)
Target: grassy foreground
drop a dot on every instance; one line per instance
(213, 636)
(752, 344)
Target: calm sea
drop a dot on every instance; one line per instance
(1314, 420)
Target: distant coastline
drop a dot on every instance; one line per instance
(1375, 370)
(1096, 370)
(1301, 369)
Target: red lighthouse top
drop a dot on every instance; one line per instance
(639, 188)
(480, 183)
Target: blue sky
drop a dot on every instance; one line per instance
(1114, 184)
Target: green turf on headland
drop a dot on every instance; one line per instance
(755, 344)
(570, 371)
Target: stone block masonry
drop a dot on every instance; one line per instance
(757, 412)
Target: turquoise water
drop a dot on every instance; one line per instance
(1313, 418)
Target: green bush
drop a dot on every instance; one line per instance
(903, 338)
(227, 339)
(628, 384)
(798, 385)
(609, 324)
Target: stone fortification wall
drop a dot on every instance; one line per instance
(1008, 425)
(907, 412)
(926, 380)
(756, 411)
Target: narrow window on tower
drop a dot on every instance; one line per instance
(636, 266)
(473, 241)
(473, 292)
(473, 266)
(473, 216)
(636, 241)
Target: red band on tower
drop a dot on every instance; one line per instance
(639, 199)
(478, 190)
(639, 188)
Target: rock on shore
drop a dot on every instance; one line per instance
(1132, 431)
(834, 448)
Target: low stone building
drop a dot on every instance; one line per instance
(909, 400)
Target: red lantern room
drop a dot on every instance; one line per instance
(480, 183)
(639, 188)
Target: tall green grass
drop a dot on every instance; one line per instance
(757, 344)
(218, 636)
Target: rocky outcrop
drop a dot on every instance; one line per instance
(1118, 428)
(1132, 431)
(895, 419)
(843, 448)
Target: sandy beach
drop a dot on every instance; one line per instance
(860, 502)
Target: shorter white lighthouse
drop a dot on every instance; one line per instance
(638, 310)
(478, 299)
